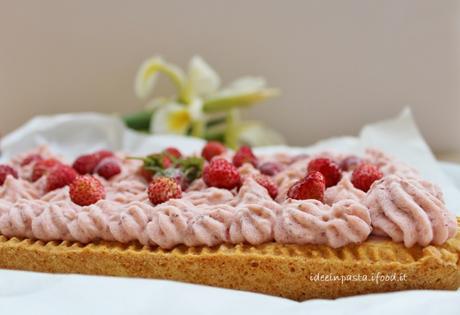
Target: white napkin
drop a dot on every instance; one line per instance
(74, 134)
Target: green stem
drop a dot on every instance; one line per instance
(198, 128)
(231, 136)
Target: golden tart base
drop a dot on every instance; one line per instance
(290, 271)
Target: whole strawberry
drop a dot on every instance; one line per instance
(174, 152)
(267, 183)
(86, 164)
(6, 170)
(145, 173)
(350, 163)
(108, 167)
(270, 168)
(310, 187)
(60, 176)
(327, 167)
(161, 189)
(364, 175)
(102, 154)
(221, 174)
(43, 167)
(212, 149)
(244, 155)
(86, 190)
(31, 158)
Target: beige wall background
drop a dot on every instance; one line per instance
(340, 64)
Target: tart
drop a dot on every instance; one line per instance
(300, 227)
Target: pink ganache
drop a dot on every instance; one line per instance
(401, 206)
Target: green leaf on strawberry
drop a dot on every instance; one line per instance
(163, 164)
(192, 167)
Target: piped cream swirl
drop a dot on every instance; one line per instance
(406, 211)
(312, 222)
(343, 190)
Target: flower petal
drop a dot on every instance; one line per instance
(245, 84)
(196, 109)
(241, 93)
(148, 72)
(202, 79)
(171, 119)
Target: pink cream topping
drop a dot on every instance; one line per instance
(343, 190)
(409, 210)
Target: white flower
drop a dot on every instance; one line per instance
(200, 108)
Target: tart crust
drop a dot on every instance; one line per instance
(289, 271)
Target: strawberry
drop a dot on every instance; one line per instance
(212, 149)
(43, 167)
(6, 170)
(350, 163)
(161, 189)
(86, 190)
(87, 163)
(146, 174)
(270, 168)
(364, 175)
(328, 168)
(221, 173)
(172, 151)
(102, 154)
(244, 155)
(31, 158)
(310, 187)
(108, 167)
(165, 160)
(267, 183)
(60, 176)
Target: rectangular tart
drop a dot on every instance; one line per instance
(297, 272)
